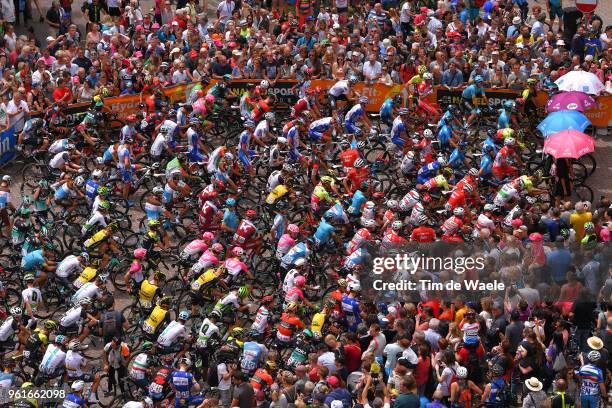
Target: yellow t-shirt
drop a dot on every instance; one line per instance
(577, 222)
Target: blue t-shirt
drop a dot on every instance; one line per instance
(559, 262)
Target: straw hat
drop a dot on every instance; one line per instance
(533, 384)
(595, 343)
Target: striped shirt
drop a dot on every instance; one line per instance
(591, 376)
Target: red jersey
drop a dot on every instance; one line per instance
(207, 213)
(261, 379)
(348, 157)
(300, 106)
(356, 177)
(288, 325)
(457, 198)
(244, 232)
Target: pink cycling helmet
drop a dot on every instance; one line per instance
(217, 247)
(140, 253)
(210, 98)
(208, 236)
(293, 228)
(237, 251)
(299, 280)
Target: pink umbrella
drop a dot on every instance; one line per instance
(569, 144)
(572, 100)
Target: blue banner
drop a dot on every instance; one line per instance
(7, 145)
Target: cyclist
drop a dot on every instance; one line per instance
(232, 302)
(12, 327)
(351, 307)
(357, 115)
(591, 379)
(399, 130)
(342, 90)
(75, 398)
(321, 130)
(99, 219)
(504, 160)
(389, 108)
(288, 325)
(53, 361)
(184, 385)
(469, 98)
(74, 364)
(6, 204)
(92, 185)
(157, 318)
(72, 322)
(506, 118)
(175, 336)
(252, 352)
(140, 369)
(196, 144)
(150, 291)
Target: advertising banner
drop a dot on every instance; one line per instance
(7, 145)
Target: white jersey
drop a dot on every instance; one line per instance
(158, 146)
(171, 125)
(54, 357)
(139, 366)
(261, 320)
(506, 193)
(407, 165)
(288, 283)
(262, 129)
(339, 88)
(485, 222)
(89, 290)
(69, 266)
(207, 330)
(273, 180)
(174, 330)
(133, 404)
(6, 330)
(74, 364)
(58, 146)
(57, 161)
(72, 316)
(33, 296)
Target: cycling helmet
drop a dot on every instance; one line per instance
(404, 111)
(183, 315)
(359, 163)
(531, 81)
(264, 84)
(60, 339)
(442, 161)
(428, 76)
(392, 204)
(96, 173)
(269, 116)
(300, 262)
(210, 98)
(397, 99)
(217, 247)
(148, 401)
(159, 275)
(166, 300)
(368, 223)
(185, 361)
(248, 124)
(357, 132)
(85, 301)
(353, 80)
(427, 134)
(473, 172)
(594, 356)
(50, 325)
(422, 219)
(281, 140)
(243, 291)
(354, 286)
(154, 223)
(237, 251)
(194, 121)
(15, 311)
(230, 202)
(363, 100)
(307, 333)
(227, 77)
(70, 146)
(458, 211)
(589, 226)
(78, 385)
(478, 79)
(327, 180)
(396, 225)
(293, 228)
(508, 104)
(79, 181)
(507, 132)
(299, 280)
(462, 372)
(131, 118)
(270, 365)
(267, 299)
(140, 253)
(102, 191)
(28, 278)
(105, 205)
(509, 141)
(103, 277)
(467, 187)
(164, 129)
(157, 190)
(24, 212)
(291, 306)
(74, 345)
(453, 108)
(497, 370)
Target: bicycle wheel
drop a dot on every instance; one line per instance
(589, 162)
(582, 192)
(106, 392)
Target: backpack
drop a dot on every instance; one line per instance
(500, 394)
(109, 324)
(290, 395)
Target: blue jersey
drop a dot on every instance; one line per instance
(427, 172)
(293, 138)
(245, 141)
(122, 153)
(321, 125)
(354, 114)
(489, 142)
(471, 91)
(32, 260)
(446, 119)
(182, 382)
(337, 212)
(91, 190)
(486, 164)
(350, 307)
(73, 401)
(299, 250)
(504, 119)
(356, 202)
(444, 134)
(279, 225)
(357, 258)
(127, 131)
(230, 219)
(323, 232)
(251, 352)
(398, 128)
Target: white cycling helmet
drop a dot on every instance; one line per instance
(78, 385)
(462, 372)
(368, 223)
(427, 134)
(442, 161)
(392, 204)
(428, 76)
(79, 181)
(96, 173)
(354, 286)
(509, 141)
(264, 84)
(396, 225)
(458, 211)
(100, 160)
(473, 172)
(467, 187)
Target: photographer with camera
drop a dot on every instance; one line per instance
(373, 384)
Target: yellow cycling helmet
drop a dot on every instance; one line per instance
(507, 132)
(327, 179)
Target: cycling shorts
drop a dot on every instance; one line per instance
(245, 158)
(351, 128)
(398, 141)
(315, 136)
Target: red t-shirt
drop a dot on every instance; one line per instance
(352, 352)
(464, 353)
(60, 93)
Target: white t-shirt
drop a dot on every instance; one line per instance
(18, 120)
(225, 10)
(404, 17)
(221, 371)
